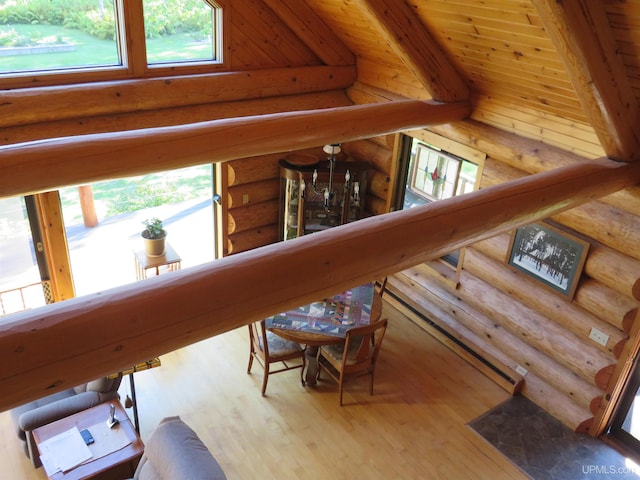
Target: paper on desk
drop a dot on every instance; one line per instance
(64, 451)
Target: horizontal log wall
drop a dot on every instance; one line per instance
(505, 315)
(253, 192)
(481, 333)
(253, 202)
(178, 115)
(378, 156)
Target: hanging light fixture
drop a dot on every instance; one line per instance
(332, 150)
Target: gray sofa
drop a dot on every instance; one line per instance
(175, 452)
(30, 416)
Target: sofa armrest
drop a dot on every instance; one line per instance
(174, 451)
(51, 412)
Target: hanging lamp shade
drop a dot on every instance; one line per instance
(332, 149)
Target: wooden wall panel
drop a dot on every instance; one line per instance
(253, 238)
(610, 226)
(253, 169)
(531, 157)
(571, 317)
(254, 189)
(378, 178)
(528, 325)
(550, 128)
(393, 77)
(379, 156)
(249, 217)
(255, 192)
(252, 202)
(618, 309)
(429, 292)
(259, 38)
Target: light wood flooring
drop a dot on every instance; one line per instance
(413, 427)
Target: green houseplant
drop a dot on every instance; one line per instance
(154, 236)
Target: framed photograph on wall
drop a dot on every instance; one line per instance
(551, 256)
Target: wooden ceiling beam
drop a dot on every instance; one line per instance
(316, 35)
(51, 348)
(582, 36)
(420, 52)
(26, 106)
(83, 125)
(58, 162)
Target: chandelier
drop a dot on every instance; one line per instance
(332, 150)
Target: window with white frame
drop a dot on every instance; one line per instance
(37, 36)
(180, 31)
(72, 36)
(435, 175)
(432, 175)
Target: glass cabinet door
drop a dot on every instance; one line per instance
(311, 203)
(290, 193)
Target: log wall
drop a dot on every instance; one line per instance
(252, 188)
(253, 202)
(498, 312)
(505, 315)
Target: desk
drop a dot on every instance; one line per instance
(319, 324)
(144, 262)
(107, 462)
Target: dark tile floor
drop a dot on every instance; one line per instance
(546, 449)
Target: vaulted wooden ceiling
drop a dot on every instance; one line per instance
(566, 74)
(561, 73)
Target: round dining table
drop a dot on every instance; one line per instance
(314, 340)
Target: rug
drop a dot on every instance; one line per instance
(546, 449)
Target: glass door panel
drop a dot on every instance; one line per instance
(104, 223)
(20, 275)
(631, 423)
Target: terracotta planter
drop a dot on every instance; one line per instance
(154, 247)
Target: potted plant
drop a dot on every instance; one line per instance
(154, 237)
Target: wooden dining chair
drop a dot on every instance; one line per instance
(380, 286)
(356, 357)
(268, 348)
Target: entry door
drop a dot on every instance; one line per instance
(25, 281)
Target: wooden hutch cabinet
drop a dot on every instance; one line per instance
(306, 206)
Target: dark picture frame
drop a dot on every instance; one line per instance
(550, 255)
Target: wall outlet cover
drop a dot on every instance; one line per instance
(598, 337)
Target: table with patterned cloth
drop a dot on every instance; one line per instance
(326, 321)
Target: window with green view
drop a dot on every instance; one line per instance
(62, 35)
(37, 35)
(181, 31)
(435, 175)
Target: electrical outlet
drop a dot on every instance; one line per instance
(245, 198)
(598, 337)
(521, 370)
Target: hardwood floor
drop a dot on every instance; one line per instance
(414, 426)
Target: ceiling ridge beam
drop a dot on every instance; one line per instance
(416, 47)
(582, 36)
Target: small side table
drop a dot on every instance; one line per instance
(108, 462)
(144, 262)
